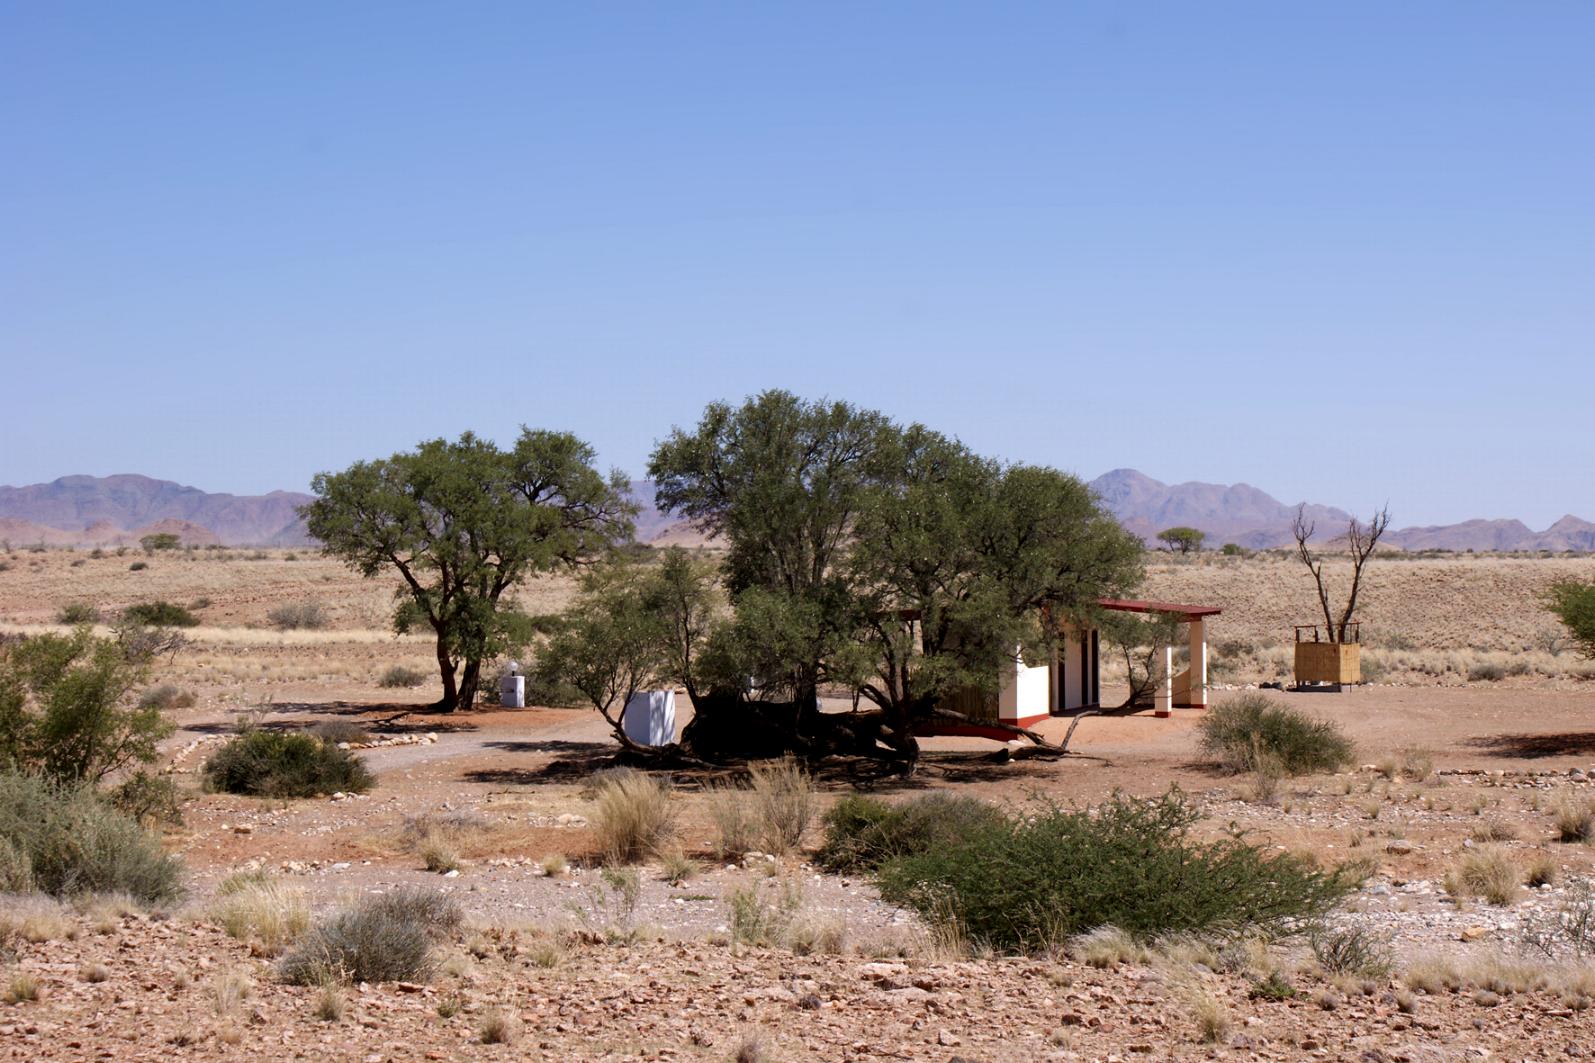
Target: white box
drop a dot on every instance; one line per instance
(512, 692)
(649, 718)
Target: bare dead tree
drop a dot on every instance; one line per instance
(1361, 540)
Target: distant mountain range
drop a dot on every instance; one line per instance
(1240, 513)
(112, 510)
(115, 510)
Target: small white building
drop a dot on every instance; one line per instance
(1072, 680)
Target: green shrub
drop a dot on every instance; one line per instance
(149, 798)
(297, 615)
(160, 614)
(1129, 863)
(277, 764)
(400, 676)
(63, 709)
(862, 833)
(137, 566)
(387, 938)
(1249, 728)
(66, 841)
(77, 613)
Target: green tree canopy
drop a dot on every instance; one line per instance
(782, 480)
(462, 522)
(1573, 602)
(1182, 538)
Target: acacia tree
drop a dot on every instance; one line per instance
(1360, 541)
(464, 521)
(982, 558)
(632, 627)
(782, 480)
(1182, 538)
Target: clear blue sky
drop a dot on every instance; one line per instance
(1345, 252)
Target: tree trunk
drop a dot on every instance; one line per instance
(470, 680)
(451, 698)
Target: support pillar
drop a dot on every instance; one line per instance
(1197, 697)
(1163, 701)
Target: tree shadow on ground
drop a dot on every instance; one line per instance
(1536, 746)
(569, 762)
(392, 718)
(574, 762)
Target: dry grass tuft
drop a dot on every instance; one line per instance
(1210, 1014)
(329, 1004)
(498, 1027)
(1487, 872)
(734, 820)
(1106, 946)
(783, 803)
(634, 817)
(24, 988)
(1574, 817)
(269, 914)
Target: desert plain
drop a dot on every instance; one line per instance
(1477, 724)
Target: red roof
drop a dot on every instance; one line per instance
(1125, 605)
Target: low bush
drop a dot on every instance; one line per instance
(160, 614)
(294, 616)
(77, 613)
(1353, 951)
(634, 816)
(1240, 732)
(66, 841)
(399, 676)
(387, 938)
(862, 833)
(64, 706)
(137, 566)
(1486, 672)
(166, 696)
(278, 764)
(1132, 863)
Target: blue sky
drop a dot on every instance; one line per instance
(1345, 252)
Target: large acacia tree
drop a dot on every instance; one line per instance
(782, 481)
(462, 522)
(884, 560)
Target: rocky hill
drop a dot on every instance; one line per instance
(113, 510)
(107, 510)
